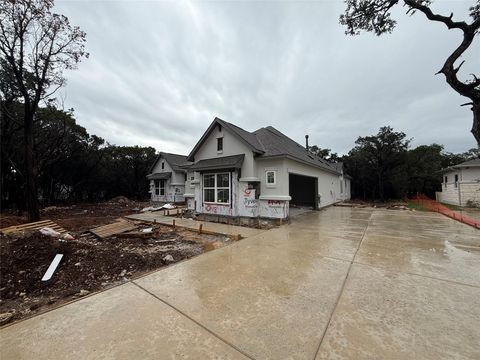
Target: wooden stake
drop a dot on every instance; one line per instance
(174, 224)
(200, 228)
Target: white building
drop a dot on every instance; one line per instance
(167, 178)
(258, 174)
(461, 184)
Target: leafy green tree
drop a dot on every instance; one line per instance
(326, 154)
(375, 16)
(377, 162)
(423, 169)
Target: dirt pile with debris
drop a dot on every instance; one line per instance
(80, 217)
(87, 265)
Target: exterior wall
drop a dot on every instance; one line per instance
(279, 191)
(470, 174)
(221, 209)
(173, 193)
(449, 195)
(465, 191)
(249, 205)
(231, 146)
(174, 186)
(328, 183)
(470, 194)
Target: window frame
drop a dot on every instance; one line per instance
(456, 180)
(269, 184)
(160, 188)
(215, 188)
(219, 142)
(163, 165)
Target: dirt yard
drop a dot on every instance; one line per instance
(88, 264)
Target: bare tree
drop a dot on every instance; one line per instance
(374, 16)
(36, 45)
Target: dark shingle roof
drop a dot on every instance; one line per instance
(474, 162)
(176, 161)
(277, 144)
(224, 162)
(268, 142)
(469, 163)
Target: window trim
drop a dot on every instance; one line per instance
(269, 184)
(215, 188)
(220, 142)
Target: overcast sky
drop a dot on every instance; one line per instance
(159, 73)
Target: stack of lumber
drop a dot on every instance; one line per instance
(33, 226)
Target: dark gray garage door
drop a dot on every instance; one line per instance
(303, 190)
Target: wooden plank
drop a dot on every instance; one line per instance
(120, 226)
(24, 226)
(33, 226)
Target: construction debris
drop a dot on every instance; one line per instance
(53, 266)
(118, 227)
(87, 265)
(157, 208)
(49, 232)
(38, 225)
(168, 258)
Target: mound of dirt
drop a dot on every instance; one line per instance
(87, 265)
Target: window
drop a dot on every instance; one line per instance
(271, 177)
(185, 177)
(456, 180)
(219, 144)
(163, 165)
(216, 188)
(159, 187)
(446, 180)
(341, 187)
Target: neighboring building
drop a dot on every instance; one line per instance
(258, 174)
(167, 178)
(461, 184)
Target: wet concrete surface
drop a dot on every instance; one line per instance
(340, 283)
(122, 323)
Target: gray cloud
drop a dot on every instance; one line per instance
(159, 72)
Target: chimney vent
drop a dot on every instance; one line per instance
(306, 142)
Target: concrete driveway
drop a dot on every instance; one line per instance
(341, 283)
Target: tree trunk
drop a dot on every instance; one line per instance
(31, 195)
(476, 122)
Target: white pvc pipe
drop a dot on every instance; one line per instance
(52, 267)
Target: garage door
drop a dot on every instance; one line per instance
(303, 190)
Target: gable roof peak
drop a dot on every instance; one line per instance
(246, 137)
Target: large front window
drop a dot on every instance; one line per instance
(159, 187)
(216, 188)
